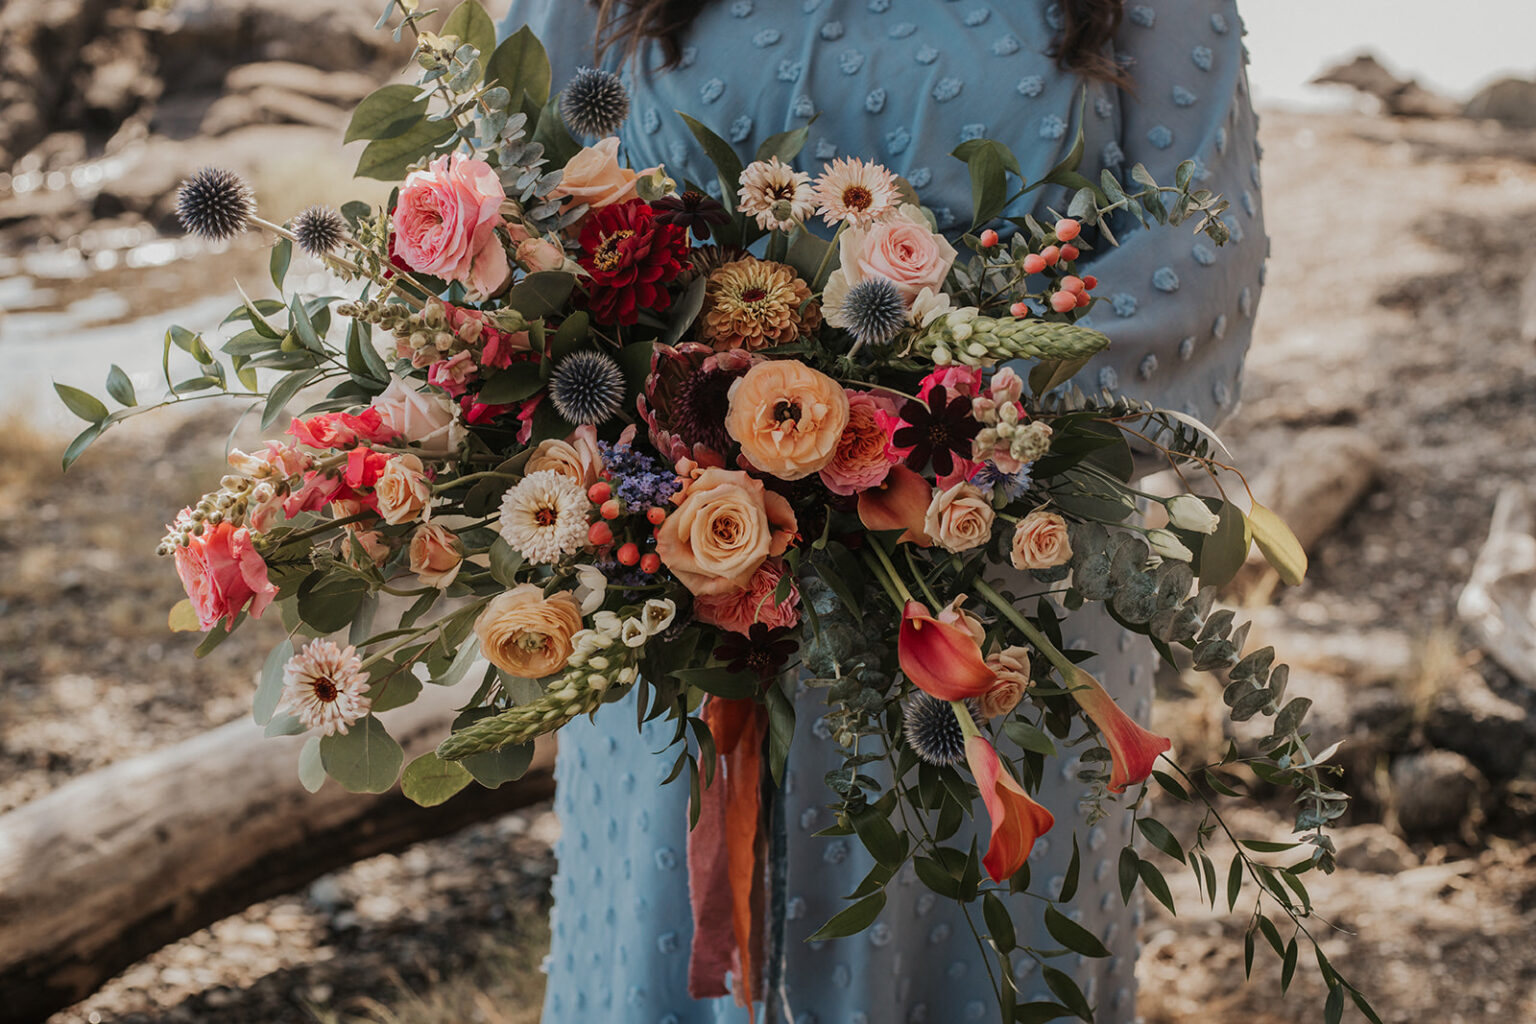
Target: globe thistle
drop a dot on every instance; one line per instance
(215, 204)
(872, 311)
(319, 230)
(932, 730)
(595, 102)
(587, 387)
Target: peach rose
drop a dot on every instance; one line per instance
(536, 254)
(429, 421)
(595, 177)
(371, 545)
(526, 634)
(959, 518)
(576, 457)
(435, 555)
(787, 417)
(1012, 667)
(222, 573)
(725, 526)
(903, 249)
(403, 490)
(1040, 542)
(739, 610)
(445, 224)
(863, 456)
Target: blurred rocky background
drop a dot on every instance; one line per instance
(1389, 409)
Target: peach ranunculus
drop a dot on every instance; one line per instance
(595, 177)
(959, 518)
(436, 556)
(577, 456)
(725, 526)
(222, 573)
(1012, 667)
(1040, 541)
(787, 417)
(526, 634)
(903, 249)
(403, 491)
(863, 456)
(445, 224)
(429, 421)
(739, 610)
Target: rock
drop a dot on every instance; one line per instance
(1499, 600)
(1434, 792)
(269, 105)
(1472, 720)
(341, 88)
(1398, 97)
(1372, 848)
(1382, 715)
(1510, 101)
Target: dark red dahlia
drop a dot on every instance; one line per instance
(631, 257)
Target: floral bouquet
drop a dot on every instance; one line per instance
(608, 435)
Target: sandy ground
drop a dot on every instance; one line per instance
(1391, 308)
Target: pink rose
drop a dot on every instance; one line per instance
(595, 177)
(429, 421)
(738, 610)
(903, 249)
(864, 455)
(223, 574)
(435, 555)
(445, 224)
(1040, 541)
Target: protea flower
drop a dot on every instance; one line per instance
(1017, 821)
(686, 398)
(1133, 749)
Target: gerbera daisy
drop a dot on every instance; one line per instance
(324, 687)
(776, 194)
(544, 516)
(754, 304)
(854, 191)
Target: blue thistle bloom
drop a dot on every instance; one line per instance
(1014, 485)
(215, 204)
(319, 230)
(594, 103)
(587, 387)
(932, 730)
(873, 311)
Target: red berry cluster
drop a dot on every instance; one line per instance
(1071, 290)
(600, 534)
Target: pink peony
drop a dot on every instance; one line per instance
(223, 575)
(739, 610)
(445, 224)
(864, 455)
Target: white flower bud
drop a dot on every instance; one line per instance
(1188, 512)
(1169, 546)
(961, 332)
(607, 623)
(599, 663)
(628, 674)
(633, 633)
(942, 356)
(597, 681)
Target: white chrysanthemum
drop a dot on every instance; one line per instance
(857, 192)
(544, 516)
(766, 184)
(324, 687)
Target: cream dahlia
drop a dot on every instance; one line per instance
(857, 192)
(779, 196)
(544, 516)
(324, 687)
(754, 304)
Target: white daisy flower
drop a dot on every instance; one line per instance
(324, 687)
(766, 184)
(544, 517)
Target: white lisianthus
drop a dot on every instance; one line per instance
(591, 588)
(1169, 546)
(658, 614)
(1188, 512)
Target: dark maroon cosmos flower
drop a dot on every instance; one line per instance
(939, 431)
(762, 650)
(692, 210)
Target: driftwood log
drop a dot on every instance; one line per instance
(118, 863)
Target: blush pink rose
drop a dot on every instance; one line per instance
(223, 575)
(904, 250)
(536, 254)
(739, 610)
(429, 421)
(864, 455)
(445, 224)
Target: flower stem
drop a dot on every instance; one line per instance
(824, 267)
(890, 568)
(963, 716)
(1032, 632)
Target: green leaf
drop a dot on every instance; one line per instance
(936, 877)
(429, 780)
(989, 184)
(81, 442)
(1156, 884)
(183, 618)
(389, 159)
(1130, 864)
(282, 393)
(542, 293)
(1074, 869)
(1288, 966)
(512, 384)
(1278, 544)
(785, 145)
(269, 691)
(1223, 552)
(396, 688)
(505, 561)
(879, 837)
(1073, 935)
(1029, 737)
(311, 767)
(364, 759)
(1333, 1009)
(495, 767)
(1064, 988)
(82, 403)
(363, 360)
(727, 163)
(685, 311)
(1039, 1013)
(1158, 835)
(471, 25)
(386, 113)
(120, 387)
(852, 920)
(571, 336)
(191, 343)
(282, 255)
(1234, 881)
(327, 602)
(1265, 846)
(999, 922)
(521, 65)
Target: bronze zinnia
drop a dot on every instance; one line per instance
(755, 304)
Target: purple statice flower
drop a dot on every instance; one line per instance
(639, 479)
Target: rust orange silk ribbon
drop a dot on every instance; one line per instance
(726, 854)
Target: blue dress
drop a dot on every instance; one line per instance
(904, 82)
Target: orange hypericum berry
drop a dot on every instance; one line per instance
(600, 491)
(1034, 263)
(628, 554)
(1072, 283)
(1018, 310)
(1051, 254)
(988, 238)
(656, 515)
(600, 533)
(611, 509)
(650, 563)
(1070, 252)
(1083, 299)
(1068, 229)
(1090, 282)
(1061, 302)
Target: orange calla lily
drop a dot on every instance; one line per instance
(899, 503)
(1017, 821)
(941, 658)
(1133, 749)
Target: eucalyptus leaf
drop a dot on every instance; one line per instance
(311, 768)
(364, 759)
(269, 691)
(429, 780)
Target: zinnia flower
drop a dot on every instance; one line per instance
(942, 656)
(687, 394)
(754, 304)
(858, 192)
(787, 417)
(779, 196)
(630, 258)
(544, 516)
(1017, 820)
(325, 687)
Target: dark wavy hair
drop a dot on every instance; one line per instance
(1087, 25)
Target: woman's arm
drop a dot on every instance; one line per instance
(1179, 308)
(565, 27)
